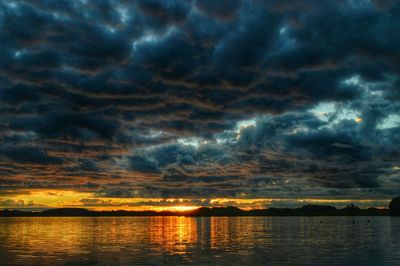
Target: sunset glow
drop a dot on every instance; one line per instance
(42, 199)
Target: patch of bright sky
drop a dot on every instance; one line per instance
(152, 37)
(192, 141)
(370, 88)
(153, 134)
(373, 90)
(123, 17)
(353, 80)
(391, 121)
(229, 136)
(298, 130)
(245, 124)
(333, 113)
(222, 138)
(123, 14)
(324, 110)
(347, 114)
(242, 125)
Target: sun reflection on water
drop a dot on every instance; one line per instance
(173, 234)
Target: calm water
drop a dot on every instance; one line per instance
(200, 241)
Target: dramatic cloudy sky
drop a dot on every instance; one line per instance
(201, 102)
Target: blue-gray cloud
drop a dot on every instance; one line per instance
(153, 94)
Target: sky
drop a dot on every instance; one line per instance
(163, 104)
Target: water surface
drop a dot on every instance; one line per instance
(200, 241)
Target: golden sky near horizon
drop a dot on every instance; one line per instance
(42, 198)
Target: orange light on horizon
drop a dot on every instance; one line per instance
(183, 208)
(51, 198)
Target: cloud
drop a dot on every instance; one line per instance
(224, 10)
(29, 155)
(20, 204)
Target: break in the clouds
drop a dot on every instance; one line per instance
(201, 99)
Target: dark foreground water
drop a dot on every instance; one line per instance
(200, 241)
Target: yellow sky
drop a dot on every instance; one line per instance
(42, 198)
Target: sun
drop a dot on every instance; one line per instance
(182, 208)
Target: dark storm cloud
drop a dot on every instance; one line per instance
(29, 155)
(153, 93)
(143, 165)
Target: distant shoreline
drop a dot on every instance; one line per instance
(308, 210)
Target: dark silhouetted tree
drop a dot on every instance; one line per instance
(351, 209)
(394, 205)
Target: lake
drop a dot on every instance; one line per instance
(200, 241)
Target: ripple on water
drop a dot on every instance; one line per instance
(200, 241)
